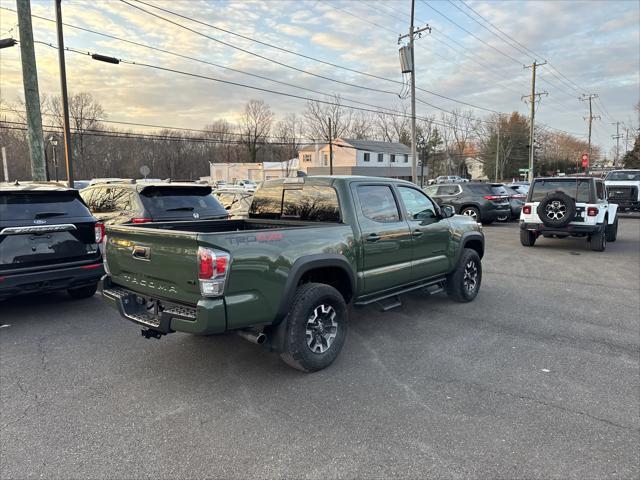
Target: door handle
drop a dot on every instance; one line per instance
(417, 233)
(373, 237)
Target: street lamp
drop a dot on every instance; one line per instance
(54, 143)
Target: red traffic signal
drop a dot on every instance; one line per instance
(585, 160)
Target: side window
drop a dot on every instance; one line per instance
(380, 157)
(444, 190)
(432, 190)
(418, 205)
(366, 157)
(600, 190)
(378, 203)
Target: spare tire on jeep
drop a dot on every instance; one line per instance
(556, 209)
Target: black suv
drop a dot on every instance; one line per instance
(48, 241)
(484, 202)
(117, 203)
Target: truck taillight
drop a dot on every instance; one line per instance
(212, 271)
(99, 232)
(526, 209)
(140, 220)
(592, 211)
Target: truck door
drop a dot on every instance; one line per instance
(385, 237)
(430, 234)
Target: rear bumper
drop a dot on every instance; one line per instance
(542, 229)
(492, 214)
(206, 318)
(50, 280)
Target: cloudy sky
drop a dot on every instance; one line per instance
(591, 47)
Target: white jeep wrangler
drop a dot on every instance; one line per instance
(560, 207)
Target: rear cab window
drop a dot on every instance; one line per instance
(186, 202)
(578, 189)
(310, 203)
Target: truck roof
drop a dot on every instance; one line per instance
(329, 179)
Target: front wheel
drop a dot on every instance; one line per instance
(463, 283)
(316, 327)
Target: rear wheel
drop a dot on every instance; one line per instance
(598, 241)
(612, 231)
(472, 212)
(527, 238)
(463, 283)
(316, 327)
(83, 292)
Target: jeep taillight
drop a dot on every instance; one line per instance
(99, 232)
(592, 211)
(526, 209)
(212, 271)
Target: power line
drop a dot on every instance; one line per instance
(506, 55)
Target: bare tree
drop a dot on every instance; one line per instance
(394, 128)
(289, 134)
(362, 126)
(256, 125)
(461, 128)
(317, 118)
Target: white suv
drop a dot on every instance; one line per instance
(623, 187)
(560, 207)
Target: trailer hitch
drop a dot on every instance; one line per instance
(149, 333)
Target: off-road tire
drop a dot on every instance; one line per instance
(527, 238)
(598, 241)
(561, 200)
(612, 231)
(470, 212)
(456, 286)
(296, 352)
(83, 292)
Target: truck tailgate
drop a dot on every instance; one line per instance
(156, 263)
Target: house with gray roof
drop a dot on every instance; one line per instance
(358, 157)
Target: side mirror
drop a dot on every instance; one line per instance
(447, 211)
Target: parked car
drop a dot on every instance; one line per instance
(623, 187)
(80, 184)
(48, 241)
(516, 200)
(569, 207)
(236, 201)
(117, 203)
(284, 276)
(248, 185)
(521, 188)
(220, 184)
(450, 179)
(481, 201)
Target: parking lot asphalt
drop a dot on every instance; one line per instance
(537, 378)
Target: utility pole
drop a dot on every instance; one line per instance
(497, 149)
(31, 93)
(532, 100)
(411, 36)
(422, 163)
(66, 133)
(617, 138)
(330, 149)
(4, 164)
(590, 97)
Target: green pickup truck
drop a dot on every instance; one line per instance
(284, 277)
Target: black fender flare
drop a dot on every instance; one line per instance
(465, 239)
(304, 264)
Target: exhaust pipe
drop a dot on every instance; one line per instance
(254, 337)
